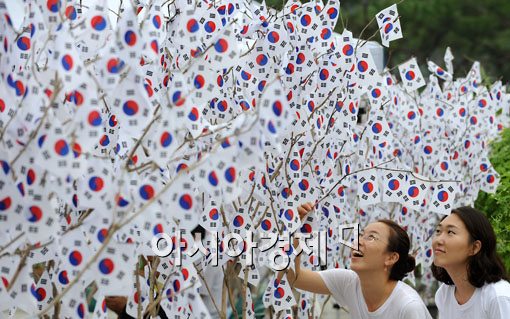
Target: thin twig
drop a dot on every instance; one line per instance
(160, 295)
(152, 283)
(21, 264)
(322, 104)
(139, 141)
(11, 242)
(230, 296)
(243, 290)
(199, 272)
(345, 176)
(138, 290)
(33, 134)
(56, 300)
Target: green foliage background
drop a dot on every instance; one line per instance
(497, 206)
(474, 30)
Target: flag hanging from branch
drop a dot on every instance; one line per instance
(411, 75)
(393, 186)
(113, 269)
(443, 197)
(368, 187)
(388, 21)
(439, 71)
(279, 295)
(448, 58)
(417, 190)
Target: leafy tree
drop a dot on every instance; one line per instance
(496, 205)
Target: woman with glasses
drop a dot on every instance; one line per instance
(373, 287)
(465, 260)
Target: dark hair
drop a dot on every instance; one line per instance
(399, 242)
(485, 266)
(198, 229)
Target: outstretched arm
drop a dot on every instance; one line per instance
(304, 279)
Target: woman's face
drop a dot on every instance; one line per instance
(372, 254)
(452, 243)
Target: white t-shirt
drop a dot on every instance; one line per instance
(403, 303)
(491, 301)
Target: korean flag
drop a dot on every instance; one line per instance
(411, 75)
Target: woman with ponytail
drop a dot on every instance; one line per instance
(474, 279)
(373, 287)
